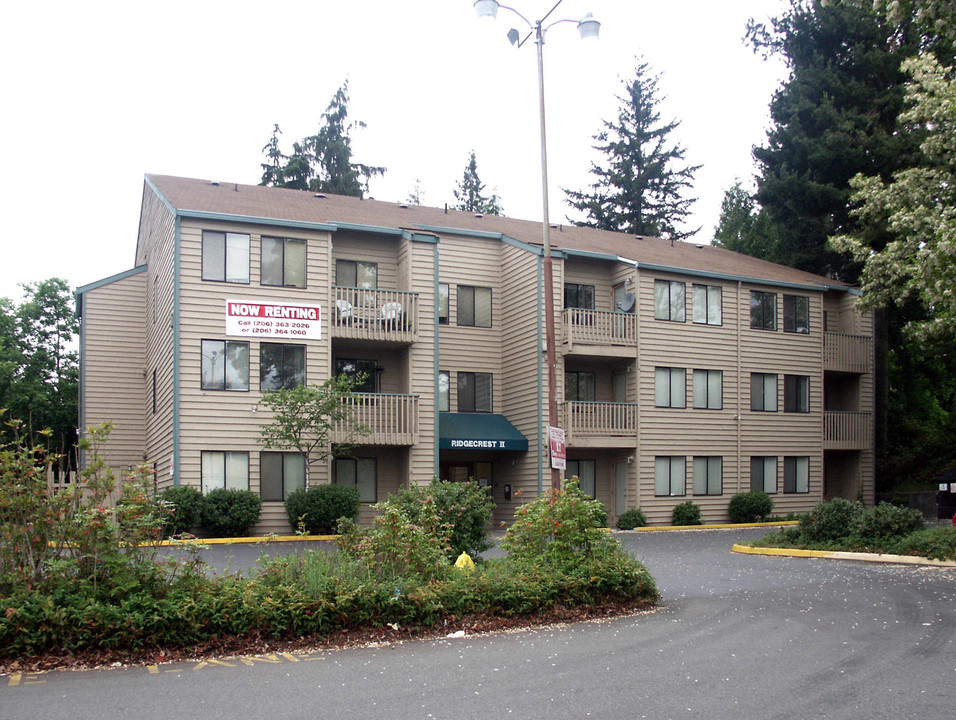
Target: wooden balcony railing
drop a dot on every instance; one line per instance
(847, 353)
(599, 327)
(374, 314)
(391, 419)
(599, 419)
(847, 430)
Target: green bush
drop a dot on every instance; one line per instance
(561, 526)
(230, 513)
(463, 507)
(687, 513)
(320, 508)
(830, 520)
(184, 513)
(938, 543)
(631, 519)
(749, 507)
(886, 522)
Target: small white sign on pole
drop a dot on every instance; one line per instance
(559, 450)
(273, 319)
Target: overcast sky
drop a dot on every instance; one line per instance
(97, 94)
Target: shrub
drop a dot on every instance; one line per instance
(184, 513)
(687, 513)
(631, 519)
(938, 543)
(886, 522)
(750, 507)
(830, 520)
(230, 513)
(561, 526)
(319, 508)
(463, 507)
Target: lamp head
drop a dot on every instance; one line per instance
(588, 27)
(487, 8)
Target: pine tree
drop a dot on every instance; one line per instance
(272, 168)
(641, 187)
(468, 192)
(742, 227)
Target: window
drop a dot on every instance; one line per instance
(225, 256)
(474, 306)
(442, 303)
(584, 471)
(796, 474)
(670, 387)
(225, 365)
(708, 304)
(763, 474)
(708, 389)
(351, 273)
(796, 314)
(669, 475)
(363, 373)
(444, 391)
(283, 262)
(579, 386)
(280, 473)
(763, 392)
(669, 300)
(474, 392)
(578, 296)
(708, 474)
(224, 470)
(796, 393)
(763, 310)
(361, 473)
(281, 366)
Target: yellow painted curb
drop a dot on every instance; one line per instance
(842, 555)
(258, 540)
(723, 526)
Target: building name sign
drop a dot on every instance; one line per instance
(490, 444)
(273, 319)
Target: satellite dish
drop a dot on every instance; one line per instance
(627, 304)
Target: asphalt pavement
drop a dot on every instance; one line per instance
(736, 636)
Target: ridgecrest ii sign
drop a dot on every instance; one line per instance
(273, 319)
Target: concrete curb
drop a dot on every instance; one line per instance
(258, 540)
(839, 555)
(723, 526)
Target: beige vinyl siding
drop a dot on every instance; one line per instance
(114, 382)
(590, 272)
(231, 420)
(419, 259)
(156, 248)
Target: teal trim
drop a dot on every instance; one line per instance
(539, 340)
(169, 205)
(734, 278)
(521, 245)
(81, 389)
(359, 227)
(592, 255)
(254, 220)
(177, 260)
(419, 237)
(111, 279)
(441, 230)
(436, 361)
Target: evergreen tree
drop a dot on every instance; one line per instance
(835, 116)
(468, 192)
(641, 187)
(322, 162)
(416, 196)
(741, 226)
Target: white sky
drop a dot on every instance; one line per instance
(96, 94)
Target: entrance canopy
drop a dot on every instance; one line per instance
(478, 431)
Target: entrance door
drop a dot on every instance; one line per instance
(620, 488)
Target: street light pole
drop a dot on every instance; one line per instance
(587, 27)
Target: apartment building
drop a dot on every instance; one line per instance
(685, 372)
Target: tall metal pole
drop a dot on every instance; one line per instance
(548, 269)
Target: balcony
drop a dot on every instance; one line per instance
(600, 424)
(598, 332)
(386, 315)
(391, 418)
(847, 430)
(847, 353)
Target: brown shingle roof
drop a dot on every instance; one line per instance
(186, 194)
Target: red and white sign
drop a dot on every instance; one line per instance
(559, 450)
(273, 319)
